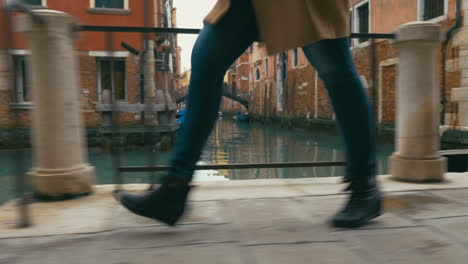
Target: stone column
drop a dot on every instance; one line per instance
(150, 87)
(417, 157)
(60, 158)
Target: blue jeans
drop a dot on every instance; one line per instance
(218, 46)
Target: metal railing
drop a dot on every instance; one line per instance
(118, 29)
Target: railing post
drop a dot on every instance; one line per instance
(417, 157)
(60, 165)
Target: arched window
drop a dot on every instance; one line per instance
(257, 74)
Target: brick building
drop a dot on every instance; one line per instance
(237, 83)
(286, 85)
(94, 56)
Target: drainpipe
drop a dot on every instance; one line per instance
(444, 60)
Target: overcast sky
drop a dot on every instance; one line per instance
(190, 14)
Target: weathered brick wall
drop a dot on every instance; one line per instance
(5, 92)
(301, 91)
(239, 75)
(387, 115)
(299, 94)
(20, 117)
(242, 76)
(88, 84)
(89, 89)
(88, 92)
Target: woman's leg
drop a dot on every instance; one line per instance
(216, 48)
(333, 61)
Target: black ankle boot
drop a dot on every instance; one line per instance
(165, 204)
(364, 204)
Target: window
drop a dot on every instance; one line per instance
(284, 67)
(109, 7)
(295, 58)
(35, 2)
(111, 76)
(266, 67)
(119, 4)
(163, 62)
(257, 74)
(22, 88)
(433, 8)
(363, 20)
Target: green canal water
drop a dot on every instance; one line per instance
(230, 142)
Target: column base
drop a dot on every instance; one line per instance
(62, 183)
(414, 170)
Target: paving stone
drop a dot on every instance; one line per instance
(198, 254)
(317, 189)
(277, 221)
(56, 249)
(459, 195)
(321, 208)
(201, 254)
(456, 227)
(209, 212)
(163, 236)
(423, 205)
(323, 253)
(408, 245)
(9, 259)
(243, 192)
(122, 218)
(88, 214)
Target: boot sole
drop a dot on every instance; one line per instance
(170, 221)
(362, 222)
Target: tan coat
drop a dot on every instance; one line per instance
(287, 24)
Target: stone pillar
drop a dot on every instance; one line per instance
(149, 85)
(417, 157)
(60, 160)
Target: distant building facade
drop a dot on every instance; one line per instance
(95, 59)
(286, 85)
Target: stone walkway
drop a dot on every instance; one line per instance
(271, 221)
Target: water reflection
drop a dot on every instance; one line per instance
(238, 142)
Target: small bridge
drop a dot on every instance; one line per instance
(226, 94)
